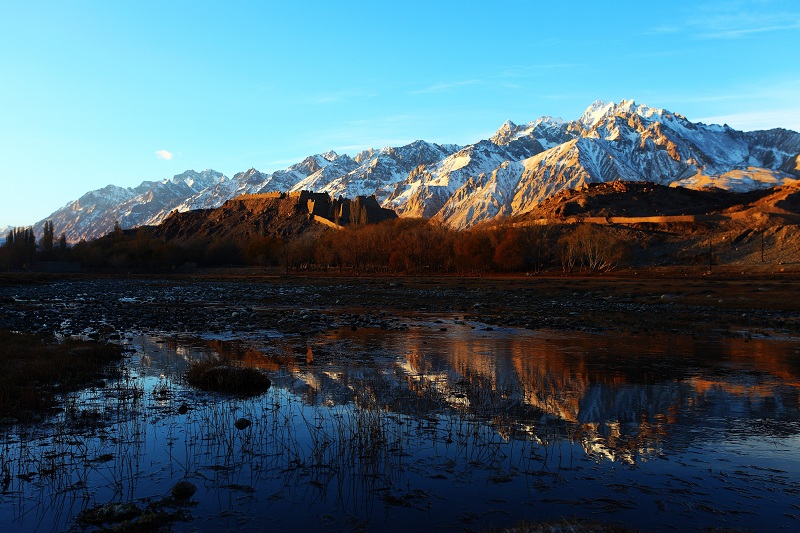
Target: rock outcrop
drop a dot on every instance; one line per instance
(271, 214)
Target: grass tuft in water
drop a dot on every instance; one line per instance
(221, 375)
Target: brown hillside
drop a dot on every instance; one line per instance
(283, 215)
(737, 228)
(636, 199)
(239, 219)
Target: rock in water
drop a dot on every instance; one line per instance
(242, 423)
(183, 490)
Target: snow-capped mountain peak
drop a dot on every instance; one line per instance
(513, 170)
(595, 113)
(198, 180)
(548, 131)
(330, 155)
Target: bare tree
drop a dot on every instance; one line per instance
(596, 249)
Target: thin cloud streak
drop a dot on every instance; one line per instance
(743, 32)
(517, 71)
(776, 118)
(446, 86)
(730, 20)
(341, 96)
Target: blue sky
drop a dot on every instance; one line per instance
(94, 93)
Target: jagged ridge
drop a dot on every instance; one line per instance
(509, 173)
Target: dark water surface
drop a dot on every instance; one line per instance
(444, 426)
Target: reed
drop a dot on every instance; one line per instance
(35, 370)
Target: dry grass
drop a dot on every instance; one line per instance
(220, 375)
(35, 369)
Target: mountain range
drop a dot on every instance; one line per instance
(507, 174)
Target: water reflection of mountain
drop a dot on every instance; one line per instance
(621, 397)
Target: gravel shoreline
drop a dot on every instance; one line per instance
(304, 306)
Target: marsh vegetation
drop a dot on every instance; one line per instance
(393, 417)
(35, 370)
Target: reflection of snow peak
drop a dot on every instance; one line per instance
(561, 384)
(494, 417)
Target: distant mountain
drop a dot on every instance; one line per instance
(95, 213)
(428, 188)
(507, 174)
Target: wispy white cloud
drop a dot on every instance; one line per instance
(664, 29)
(341, 96)
(733, 20)
(447, 86)
(735, 31)
(760, 120)
(164, 154)
(518, 71)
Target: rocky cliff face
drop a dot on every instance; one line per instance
(238, 219)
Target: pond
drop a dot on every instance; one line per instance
(445, 424)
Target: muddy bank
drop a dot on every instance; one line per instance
(686, 303)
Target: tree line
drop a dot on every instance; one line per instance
(21, 250)
(404, 245)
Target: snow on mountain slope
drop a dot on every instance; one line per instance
(548, 131)
(321, 179)
(427, 189)
(627, 142)
(768, 148)
(375, 172)
(792, 166)
(483, 197)
(513, 170)
(596, 112)
(95, 213)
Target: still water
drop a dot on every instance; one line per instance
(443, 426)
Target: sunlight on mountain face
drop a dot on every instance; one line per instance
(625, 141)
(740, 180)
